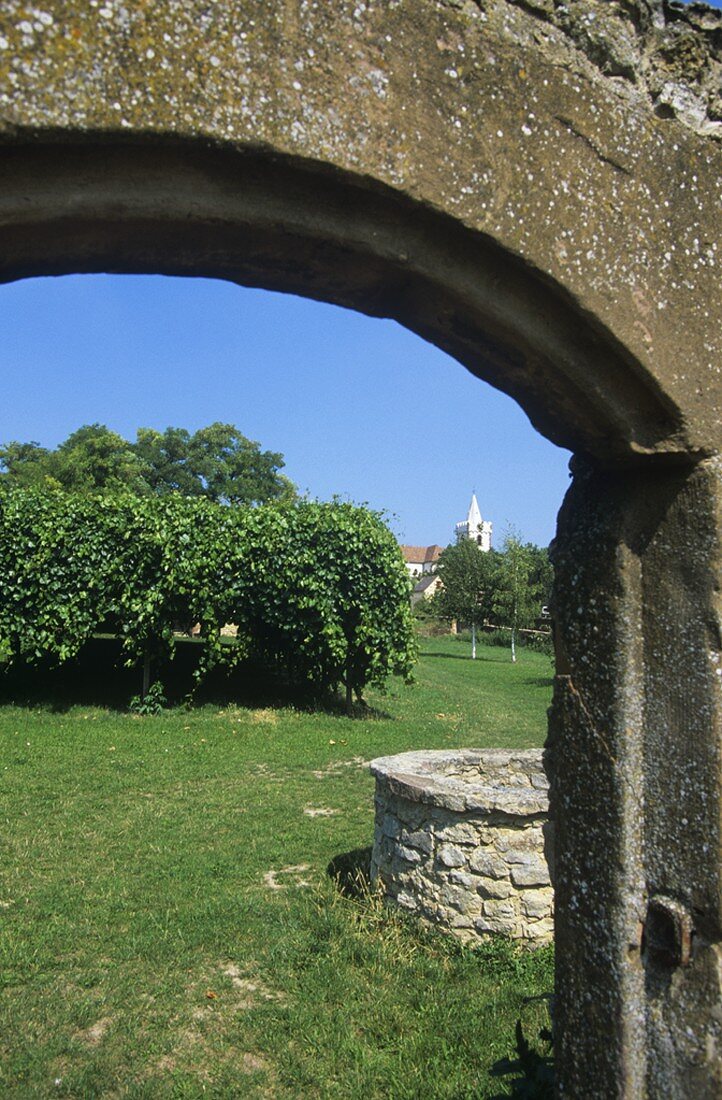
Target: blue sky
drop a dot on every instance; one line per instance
(359, 407)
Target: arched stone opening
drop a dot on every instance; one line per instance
(282, 224)
(497, 181)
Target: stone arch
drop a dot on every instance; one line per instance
(181, 208)
(535, 187)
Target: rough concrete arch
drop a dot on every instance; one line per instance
(535, 186)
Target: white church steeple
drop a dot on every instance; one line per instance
(474, 527)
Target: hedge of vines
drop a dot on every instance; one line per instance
(319, 592)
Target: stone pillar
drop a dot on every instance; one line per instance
(634, 759)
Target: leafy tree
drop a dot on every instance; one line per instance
(165, 455)
(518, 592)
(94, 459)
(468, 577)
(232, 469)
(217, 462)
(28, 465)
(91, 459)
(542, 573)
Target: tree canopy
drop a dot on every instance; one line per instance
(216, 462)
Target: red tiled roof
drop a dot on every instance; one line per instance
(421, 553)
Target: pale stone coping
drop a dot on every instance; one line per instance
(481, 780)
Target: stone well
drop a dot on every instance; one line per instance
(463, 840)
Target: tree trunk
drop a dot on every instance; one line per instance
(513, 644)
(146, 675)
(473, 641)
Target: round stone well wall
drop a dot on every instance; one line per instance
(463, 840)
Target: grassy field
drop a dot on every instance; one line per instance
(169, 925)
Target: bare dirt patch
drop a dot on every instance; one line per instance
(254, 1063)
(320, 811)
(251, 988)
(267, 775)
(291, 874)
(264, 717)
(94, 1034)
(202, 1041)
(336, 766)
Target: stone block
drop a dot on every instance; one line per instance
(495, 888)
(500, 910)
(406, 901)
(456, 898)
(533, 872)
(537, 903)
(487, 863)
(460, 920)
(494, 924)
(387, 847)
(458, 833)
(421, 839)
(460, 878)
(450, 856)
(541, 931)
(409, 854)
(391, 826)
(412, 814)
(512, 841)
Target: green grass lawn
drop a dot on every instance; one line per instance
(168, 924)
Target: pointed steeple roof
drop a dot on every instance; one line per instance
(474, 518)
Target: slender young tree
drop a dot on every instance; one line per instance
(518, 591)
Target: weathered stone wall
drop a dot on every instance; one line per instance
(662, 51)
(462, 840)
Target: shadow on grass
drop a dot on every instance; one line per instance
(98, 677)
(336, 707)
(540, 681)
(352, 872)
(503, 656)
(531, 1073)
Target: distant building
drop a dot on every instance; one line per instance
(474, 527)
(425, 588)
(421, 560)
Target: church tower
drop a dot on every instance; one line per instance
(474, 527)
